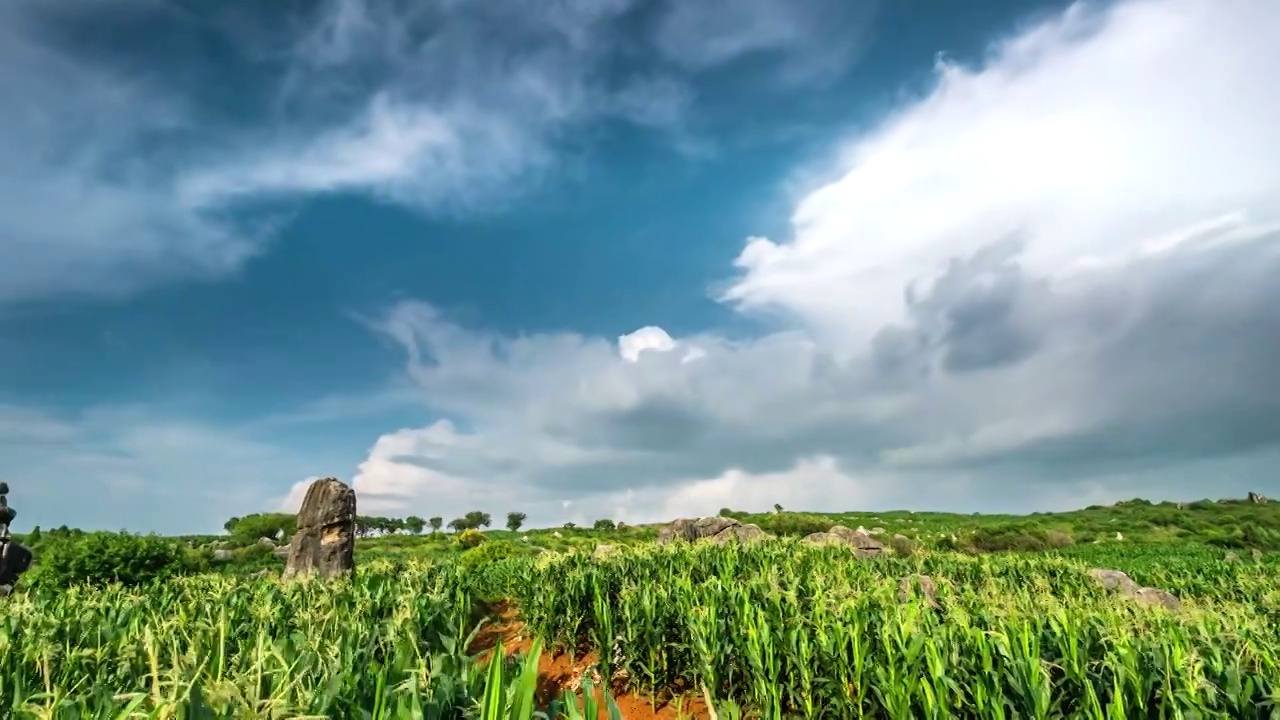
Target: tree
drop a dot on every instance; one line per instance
(435, 523)
(415, 524)
(777, 508)
(515, 520)
(604, 524)
(570, 525)
(475, 519)
(230, 525)
(458, 524)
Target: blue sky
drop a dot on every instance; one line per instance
(634, 258)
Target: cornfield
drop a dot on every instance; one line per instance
(776, 630)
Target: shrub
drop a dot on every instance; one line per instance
(489, 553)
(470, 538)
(101, 558)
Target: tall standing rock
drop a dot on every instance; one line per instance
(15, 558)
(325, 541)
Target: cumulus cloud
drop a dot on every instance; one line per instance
(1048, 280)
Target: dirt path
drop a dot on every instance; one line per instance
(560, 672)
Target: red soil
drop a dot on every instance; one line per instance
(563, 671)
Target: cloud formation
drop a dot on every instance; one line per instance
(443, 107)
(1050, 280)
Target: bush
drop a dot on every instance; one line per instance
(604, 524)
(489, 553)
(470, 538)
(100, 558)
(795, 524)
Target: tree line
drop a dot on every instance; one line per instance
(283, 525)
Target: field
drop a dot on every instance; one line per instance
(772, 630)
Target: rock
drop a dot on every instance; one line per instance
(709, 526)
(1116, 581)
(900, 537)
(1257, 555)
(858, 539)
(281, 552)
(1119, 536)
(717, 529)
(15, 557)
(878, 531)
(266, 541)
(740, 533)
(1256, 498)
(222, 555)
(1155, 596)
(928, 589)
(556, 534)
(1232, 557)
(326, 540)
(604, 551)
(861, 543)
(680, 529)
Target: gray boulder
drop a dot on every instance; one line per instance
(717, 529)
(862, 544)
(1116, 581)
(326, 540)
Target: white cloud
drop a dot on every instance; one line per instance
(1048, 281)
(1089, 135)
(115, 179)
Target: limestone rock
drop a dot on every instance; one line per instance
(1116, 581)
(1256, 498)
(222, 555)
(1232, 557)
(719, 530)
(326, 539)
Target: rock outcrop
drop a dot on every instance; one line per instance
(714, 529)
(325, 541)
(15, 557)
(1116, 581)
(860, 541)
(1256, 498)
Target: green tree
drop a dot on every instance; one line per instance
(475, 519)
(230, 525)
(515, 520)
(259, 525)
(435, 523)
(415, 524)
(604, 524)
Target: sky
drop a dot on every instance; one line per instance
(635, 259)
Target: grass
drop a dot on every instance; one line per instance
(779, 629)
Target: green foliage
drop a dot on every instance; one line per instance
(101, 558)
(250, 528)
(436, 523)
(604, 524)
(792, 524)
(470, 538)
(489, 553)
(34, 536)
(414, 524)
(515, 520)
